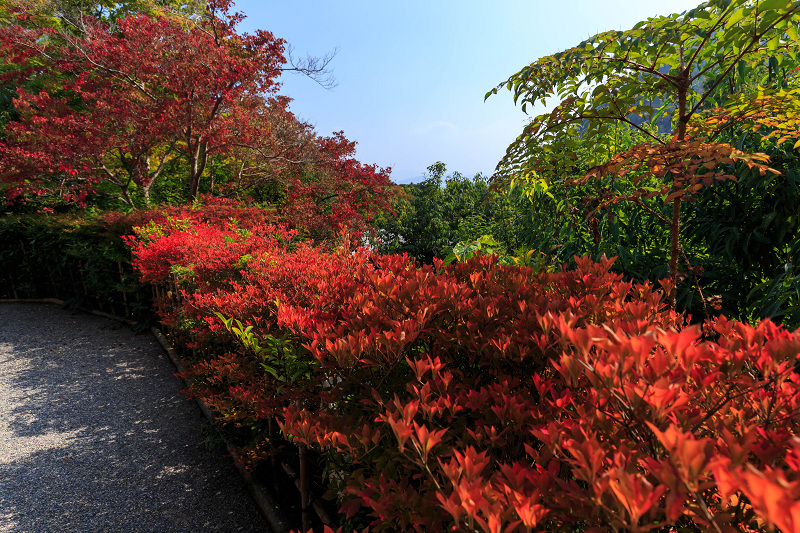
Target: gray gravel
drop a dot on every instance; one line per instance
(95, 435)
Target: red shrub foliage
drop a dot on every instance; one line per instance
(479, 397)
(335, 192)
(211, 211)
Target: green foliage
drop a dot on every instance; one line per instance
(742, 238)
(466, 250)
(486, 245)
(746, 237)
(648, 119)
(279, 356)
(78, 259)
(663, 65)
(559, 225)
(443, 210)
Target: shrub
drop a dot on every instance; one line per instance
(479, 397)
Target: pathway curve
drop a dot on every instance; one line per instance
(95, 435)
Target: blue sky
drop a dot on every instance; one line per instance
(412, 75)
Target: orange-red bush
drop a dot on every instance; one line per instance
(479, 397)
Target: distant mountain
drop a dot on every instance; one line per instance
(406, 181)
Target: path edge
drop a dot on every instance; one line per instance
(264, 501)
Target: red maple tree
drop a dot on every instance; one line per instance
(127, 99)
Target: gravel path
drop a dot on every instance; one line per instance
(95, 435)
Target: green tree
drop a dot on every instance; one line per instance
(674, 66)
(443, 210)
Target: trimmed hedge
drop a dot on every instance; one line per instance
(79, 259)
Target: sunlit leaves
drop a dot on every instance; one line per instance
(474, 396)
(679, 66)
(615, 76)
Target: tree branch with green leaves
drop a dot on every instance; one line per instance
(674, 65)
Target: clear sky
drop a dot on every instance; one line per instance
(412, 74)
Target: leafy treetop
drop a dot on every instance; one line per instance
(665, 65)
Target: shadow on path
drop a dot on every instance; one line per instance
(95, 435)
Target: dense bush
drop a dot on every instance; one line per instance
(82, 258)
(469, 396)
(741, 238)
(479, 397)
(77, 258)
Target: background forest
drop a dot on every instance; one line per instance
(462, 353)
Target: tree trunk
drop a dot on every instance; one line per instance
(675, 224)
(197, 164)
(146, 195)
(674, 250)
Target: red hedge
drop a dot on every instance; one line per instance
(479, 397)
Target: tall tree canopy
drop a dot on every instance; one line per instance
(131, 96)
(676, 66)
(113, 104)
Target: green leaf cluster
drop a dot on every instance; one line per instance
(436, 214)
(279, 356)
(669, 65)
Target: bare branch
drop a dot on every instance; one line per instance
(158, 170)
(708, 36)
(316, 68)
